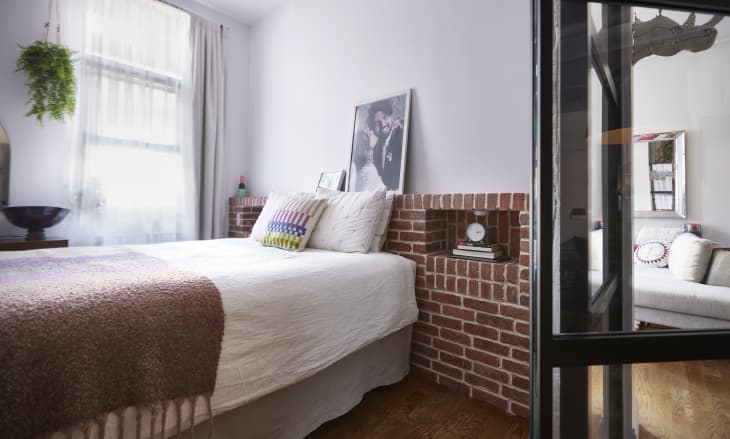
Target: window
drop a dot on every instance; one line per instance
(132, 161)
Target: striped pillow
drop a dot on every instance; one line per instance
(293, 224)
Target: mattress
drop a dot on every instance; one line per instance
(289, 315)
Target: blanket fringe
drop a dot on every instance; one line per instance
(86, 429)
(178, 403)
(101, 422)
(157, 411)
(153, 418)
(120, 423)
(165, 408)
(193, 403)
(210, 416)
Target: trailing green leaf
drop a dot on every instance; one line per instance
(51, 82)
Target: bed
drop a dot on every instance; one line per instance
(305, 335)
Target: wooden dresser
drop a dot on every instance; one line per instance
(12, 244)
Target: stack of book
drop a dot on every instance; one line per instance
(482, 252)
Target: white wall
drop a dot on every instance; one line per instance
(237, 37)
(468, 62)
(691, 91)
(40, 154)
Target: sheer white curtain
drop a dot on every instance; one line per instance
(132, 174)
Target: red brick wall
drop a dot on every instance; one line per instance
(248, 208)
(473, 330)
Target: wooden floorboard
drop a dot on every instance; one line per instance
(679, 400)
(415, 408)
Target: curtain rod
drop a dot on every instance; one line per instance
(189, 12)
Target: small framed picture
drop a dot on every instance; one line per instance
(334, 180)
(379, 142)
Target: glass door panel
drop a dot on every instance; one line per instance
(631, 318)
(642, 120)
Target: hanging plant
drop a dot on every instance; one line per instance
(51, 82)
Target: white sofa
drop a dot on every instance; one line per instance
(661, 298)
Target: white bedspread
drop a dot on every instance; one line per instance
(289, 315)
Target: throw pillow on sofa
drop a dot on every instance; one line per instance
(652, 253)
(689, 257)
(719, 273)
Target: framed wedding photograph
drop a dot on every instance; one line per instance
(379, 144)
(334, 180)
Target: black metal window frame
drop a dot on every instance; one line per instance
(551, 350)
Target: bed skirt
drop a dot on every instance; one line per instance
(294, 411)
(297, 410)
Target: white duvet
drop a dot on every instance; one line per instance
(289, 315)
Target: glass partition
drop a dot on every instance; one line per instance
(631, 230)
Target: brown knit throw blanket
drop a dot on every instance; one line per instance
(91, 331)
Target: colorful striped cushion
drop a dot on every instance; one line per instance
(293, 224)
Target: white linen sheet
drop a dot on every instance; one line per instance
(289, 315)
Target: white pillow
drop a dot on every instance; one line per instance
(719, 273)
(652, 253)
(274, 201)
(381, 229)
(667, 234)
(689, 257)
(349, 221)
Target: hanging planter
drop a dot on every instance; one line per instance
(51, 82)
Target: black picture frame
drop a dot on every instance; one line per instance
(378, 156)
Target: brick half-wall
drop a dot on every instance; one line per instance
(473, 328)
(242, 214)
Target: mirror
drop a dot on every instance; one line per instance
(4, 167)
(659, 175)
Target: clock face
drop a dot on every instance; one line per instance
(475, 232)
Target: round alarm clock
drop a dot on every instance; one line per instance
(475, 233)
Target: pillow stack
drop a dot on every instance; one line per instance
(348, 222)
(686, 255)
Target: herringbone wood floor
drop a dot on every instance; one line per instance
(414, 409)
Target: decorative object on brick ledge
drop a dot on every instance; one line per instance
(242, 190)
(474, 322)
